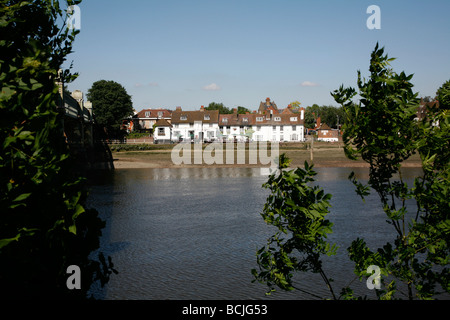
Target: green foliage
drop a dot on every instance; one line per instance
(44, 227)
(299, 212)
(242, 110)
(330, 115)
(382, 131)
(443, 95)
(219, 106)
(111, 105)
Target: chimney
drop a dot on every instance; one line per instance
(178, 109)
(202, 108)
(302, 113)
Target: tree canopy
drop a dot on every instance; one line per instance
(111, 105)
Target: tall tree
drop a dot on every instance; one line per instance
(44, 226)
(111, 105)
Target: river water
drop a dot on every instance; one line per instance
(193, 233)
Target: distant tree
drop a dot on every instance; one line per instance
(427, 99)
(219, 106)
(443, 95)
(295, 105)
(111, 105)
(332, 116)
(242, 110)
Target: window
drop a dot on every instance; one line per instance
(206, 117)
(277, 118)
(225, 120)
(161, 132)
(183, 118)
(259, 119)
(160, 114)
(281, 128)
(294, 128)
(258, 128)
(274, 128)
(176, 125)
(245, 120)
(293, 119)
(147, 114)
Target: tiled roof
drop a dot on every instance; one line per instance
(206, 116)
(162, 123)
(260, 119)
(324, 126)
(153, 113)
(267, 106)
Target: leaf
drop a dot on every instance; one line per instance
(22, 197)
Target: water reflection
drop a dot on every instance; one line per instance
(192, 233)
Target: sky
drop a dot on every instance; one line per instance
(173, 53)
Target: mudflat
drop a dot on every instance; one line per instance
(324, 155)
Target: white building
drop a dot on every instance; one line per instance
(163, 132)
(267, 125)
(202, 125)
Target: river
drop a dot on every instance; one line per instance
(193, 233)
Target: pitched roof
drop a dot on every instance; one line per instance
(162, 123)
(206, 116)
(268, 106)
(255, 119)
(154, 113)
(324, 126)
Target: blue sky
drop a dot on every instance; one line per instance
(172, 53)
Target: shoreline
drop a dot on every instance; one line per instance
(162, 160)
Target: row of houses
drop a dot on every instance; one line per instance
(268, 123)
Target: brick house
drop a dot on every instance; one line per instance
(325, 133)
(148, 117)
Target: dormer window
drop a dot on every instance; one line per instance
(225, 120)
(206, 117)
(147, 114)
(259, 119)
(277, 118)
(183, 118)
(293, 119)
(245, 120)
(160, 114)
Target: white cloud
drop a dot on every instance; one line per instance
(309, 84)
(151, 84)
(211, 87)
